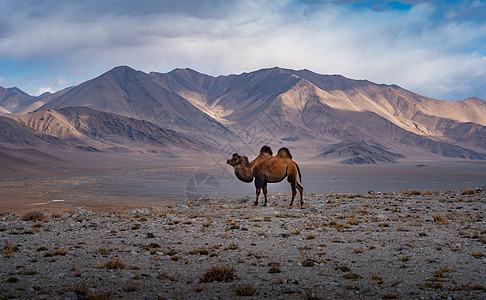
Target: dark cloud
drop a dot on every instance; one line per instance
(433, 48)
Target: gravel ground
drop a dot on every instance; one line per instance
(411, 245)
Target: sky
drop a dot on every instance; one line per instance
(434, 48)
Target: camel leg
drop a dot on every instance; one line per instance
(294, 192)
(301, 191)
(265, 193)
(258, 185)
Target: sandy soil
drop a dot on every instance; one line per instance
(413, 245)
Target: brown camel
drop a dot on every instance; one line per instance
(266, 168)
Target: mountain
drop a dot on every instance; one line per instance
(304, 108)
(82, 128)
(134, 94)
(356, 152)
(298, 109)
(14, 100)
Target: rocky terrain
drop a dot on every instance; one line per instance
(409, 245)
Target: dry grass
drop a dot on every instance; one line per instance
(412, 193)
(102, 251)
(219, 273)
(351, 276)
(56, 252)
(31, 272)
(114, 264)
(311, 294)
(310, 237)
(439, 219)
(245, 290)
(33, 216)
(468, 192)
(232, 246)
(9, 249)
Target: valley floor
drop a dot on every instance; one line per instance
(410, 245)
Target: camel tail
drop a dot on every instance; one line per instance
(298, 170)
(284, 153)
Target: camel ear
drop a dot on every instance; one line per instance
(236, 155)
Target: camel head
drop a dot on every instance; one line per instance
(235, 160)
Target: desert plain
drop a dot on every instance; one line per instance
(98, 236)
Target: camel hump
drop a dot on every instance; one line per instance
(284, 153)
(266, 149)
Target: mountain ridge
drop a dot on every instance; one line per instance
(296, 108)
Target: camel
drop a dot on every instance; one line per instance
(266, 168)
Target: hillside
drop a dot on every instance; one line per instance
(82, 128)
(13, 100)
(359, 153)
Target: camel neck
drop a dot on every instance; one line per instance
(243, 171)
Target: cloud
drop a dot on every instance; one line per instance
(433, 48)
(43, 90)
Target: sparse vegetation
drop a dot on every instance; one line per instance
(311, 294)
(102, 251)
(245, 290)
(412, 193)
(468, 192)
(33, 216)
(232, 246)
(310, 237)
(308, 262)
(440, 219)
(219, 273)
(334, 237)
(114, 264)
(9, 249)
(274, 270)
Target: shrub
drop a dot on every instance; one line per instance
(412, 193)
(12, 279)
(308, 262)
(438, 219)
(60, 252)
(33, 216)
(114, 263)
(311, 294)
(102, 251)
(245, 290)
(220, 274)
(31, 272)
(9, 249)
(232, 246)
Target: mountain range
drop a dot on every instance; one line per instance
(183, 111)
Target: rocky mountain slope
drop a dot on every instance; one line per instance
(81, 129)
(85, 128)
(304, 108)
(359, 153)
(134, 94)
(299, 109)
(13, 100)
